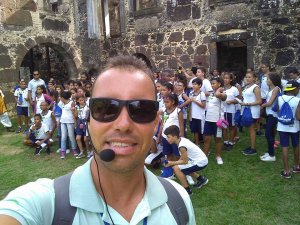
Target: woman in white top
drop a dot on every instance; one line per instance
(274, 82)
(214, 112)
(252, 99)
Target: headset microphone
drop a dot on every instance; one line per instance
(107, 155)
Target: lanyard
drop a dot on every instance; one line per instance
(106, 223)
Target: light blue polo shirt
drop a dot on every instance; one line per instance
(33, 203)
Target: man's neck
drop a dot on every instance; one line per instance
(123, 191)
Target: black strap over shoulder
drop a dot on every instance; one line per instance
(63, 212)
(175, 203)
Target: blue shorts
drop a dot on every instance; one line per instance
(196, 126)
(22, 111)
(192, 169)
(230, 118)
(169, 148)
(210, 128)
(284, 138)
(80, 128)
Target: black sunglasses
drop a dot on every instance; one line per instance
(108, 109)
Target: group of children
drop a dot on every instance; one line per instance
(218, 108)
(54, 108)
(214, 108)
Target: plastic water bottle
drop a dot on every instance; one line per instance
(20, 99)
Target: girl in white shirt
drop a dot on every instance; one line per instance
(252, 99)
(67, 123)
(172, 116)
(229, 109)
(274, 82)
(214, 112)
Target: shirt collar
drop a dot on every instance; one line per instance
(83, 193)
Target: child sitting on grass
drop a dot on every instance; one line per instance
(38, 135)
(192, 159)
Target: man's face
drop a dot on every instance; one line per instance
(36, 75)
(264, 68)
(130, 140)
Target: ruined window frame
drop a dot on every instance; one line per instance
(157, 8)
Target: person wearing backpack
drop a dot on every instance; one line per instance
(113, 187)
(288, 126)
(274, 82)
(251, 105)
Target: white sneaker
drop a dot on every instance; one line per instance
(264, 155)
(219, 160)
(58, 150)
(190, 180)
(68, 151)
(269, 159)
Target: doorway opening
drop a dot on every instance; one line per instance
(232, 56)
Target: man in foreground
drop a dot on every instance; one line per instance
(114, 188)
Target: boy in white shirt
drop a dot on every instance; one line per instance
(192, 159)
(21, 97)
(38, 135)
(290, 131)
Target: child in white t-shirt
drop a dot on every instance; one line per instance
(21, 97)
(290, 131)
(192, 159)
(214, 112)
(38, 135)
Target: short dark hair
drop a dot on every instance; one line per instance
(202, 69)
(168, 85)
(129, 63)
(197, 81)
(294, 71)
(37, 115)
(65, 94)
(172, 130)
(172, 96)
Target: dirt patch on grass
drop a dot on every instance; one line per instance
(8, 144)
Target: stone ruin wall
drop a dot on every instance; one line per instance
(187, 33)
(26, 23)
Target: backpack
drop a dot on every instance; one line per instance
(286, 115)
(64, 213)
(237, 118)
(247, 119)
(57, 110)
(275, 107)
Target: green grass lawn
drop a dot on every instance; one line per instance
(244, 190)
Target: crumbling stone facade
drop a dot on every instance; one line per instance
(222, 34)
(58, 24)
(184, 32)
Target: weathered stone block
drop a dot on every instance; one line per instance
(280, 41)
(189, 35)
(106, 45)
(9, 75)
(285, 58)
(196, 12)
(141, 39)
(167, 51)
(178, 51)
(190, 50)
(19, 18)
(282, 21)
(183, 2)
(290, 29)
(30, 43)
(175, 37)
(5, 61)
(179, 13)
(160, 38)
(21, 50)
(185, 58)
(187, 64)
(3, 49)
(56, 25)
(146, 24)
(172, 63)
(26, 5)
(253, 23)
(226, 26)
(201, 49)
